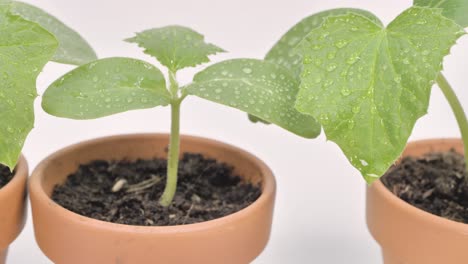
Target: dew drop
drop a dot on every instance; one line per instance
(293, 41)
(318, 62)
(316, 47)
(351, 124)
(356, 109)
(218, 90)
(328, 83)
(353, 59)
(406, 61)
(397, 79)
(331, 67)
(341, 44)
(307, 60)
(144, 100)
(247, 70)
(324, 119)
(129, 100)
(421, 22)
(95, 79)
(224, 73)
(331, 55)
(107, 100)
(345, 92)
(318, 80)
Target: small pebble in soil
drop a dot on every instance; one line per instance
(5, 175)
(127, 192)
(436, 183)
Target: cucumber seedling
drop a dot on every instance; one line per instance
(103, 87)
(367, 84)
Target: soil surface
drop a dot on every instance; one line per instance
(435, 183)
(5, 175)
(206, 190)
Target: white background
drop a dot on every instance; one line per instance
(319, 215)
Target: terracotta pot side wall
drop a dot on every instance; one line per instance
(409, 235)
(68, 238)
(3, 255)
(13, 205)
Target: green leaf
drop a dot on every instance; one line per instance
(454, 9)
(73, 49)
(255, 119)
(367, 85)
(106, 87)
(25, 48)
(260, 88)
(283, 52)
(175, 47)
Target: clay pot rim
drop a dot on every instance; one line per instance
(422, 215)
(20, 171)
(268, 189)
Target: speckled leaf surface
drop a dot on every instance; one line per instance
(263, 89)
(453, 9)
(367, 85)
(25, 48)
(175, 47)
(73, 49)
(284, 53)
(106, 87)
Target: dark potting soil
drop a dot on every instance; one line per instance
(5, 175)
(206, 190)
(435, 183)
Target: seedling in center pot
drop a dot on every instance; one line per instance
(112, 85)
(30, 38)
(367, 84)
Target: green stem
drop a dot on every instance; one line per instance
(174, 145)
(457, 110)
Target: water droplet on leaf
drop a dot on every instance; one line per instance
(341, 44)
(247, 70)
(345, 92)
(331, 67)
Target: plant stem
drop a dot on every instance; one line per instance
(174, 145)
(457, 110)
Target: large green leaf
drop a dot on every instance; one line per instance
(106, 87)
(175, 47)
(367, 85)
(24, 50)
(73, 49)
(260, 88)
(453, 9)
(284, 53)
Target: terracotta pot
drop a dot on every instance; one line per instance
(69, 238)
(13, 208)
(409, 235)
